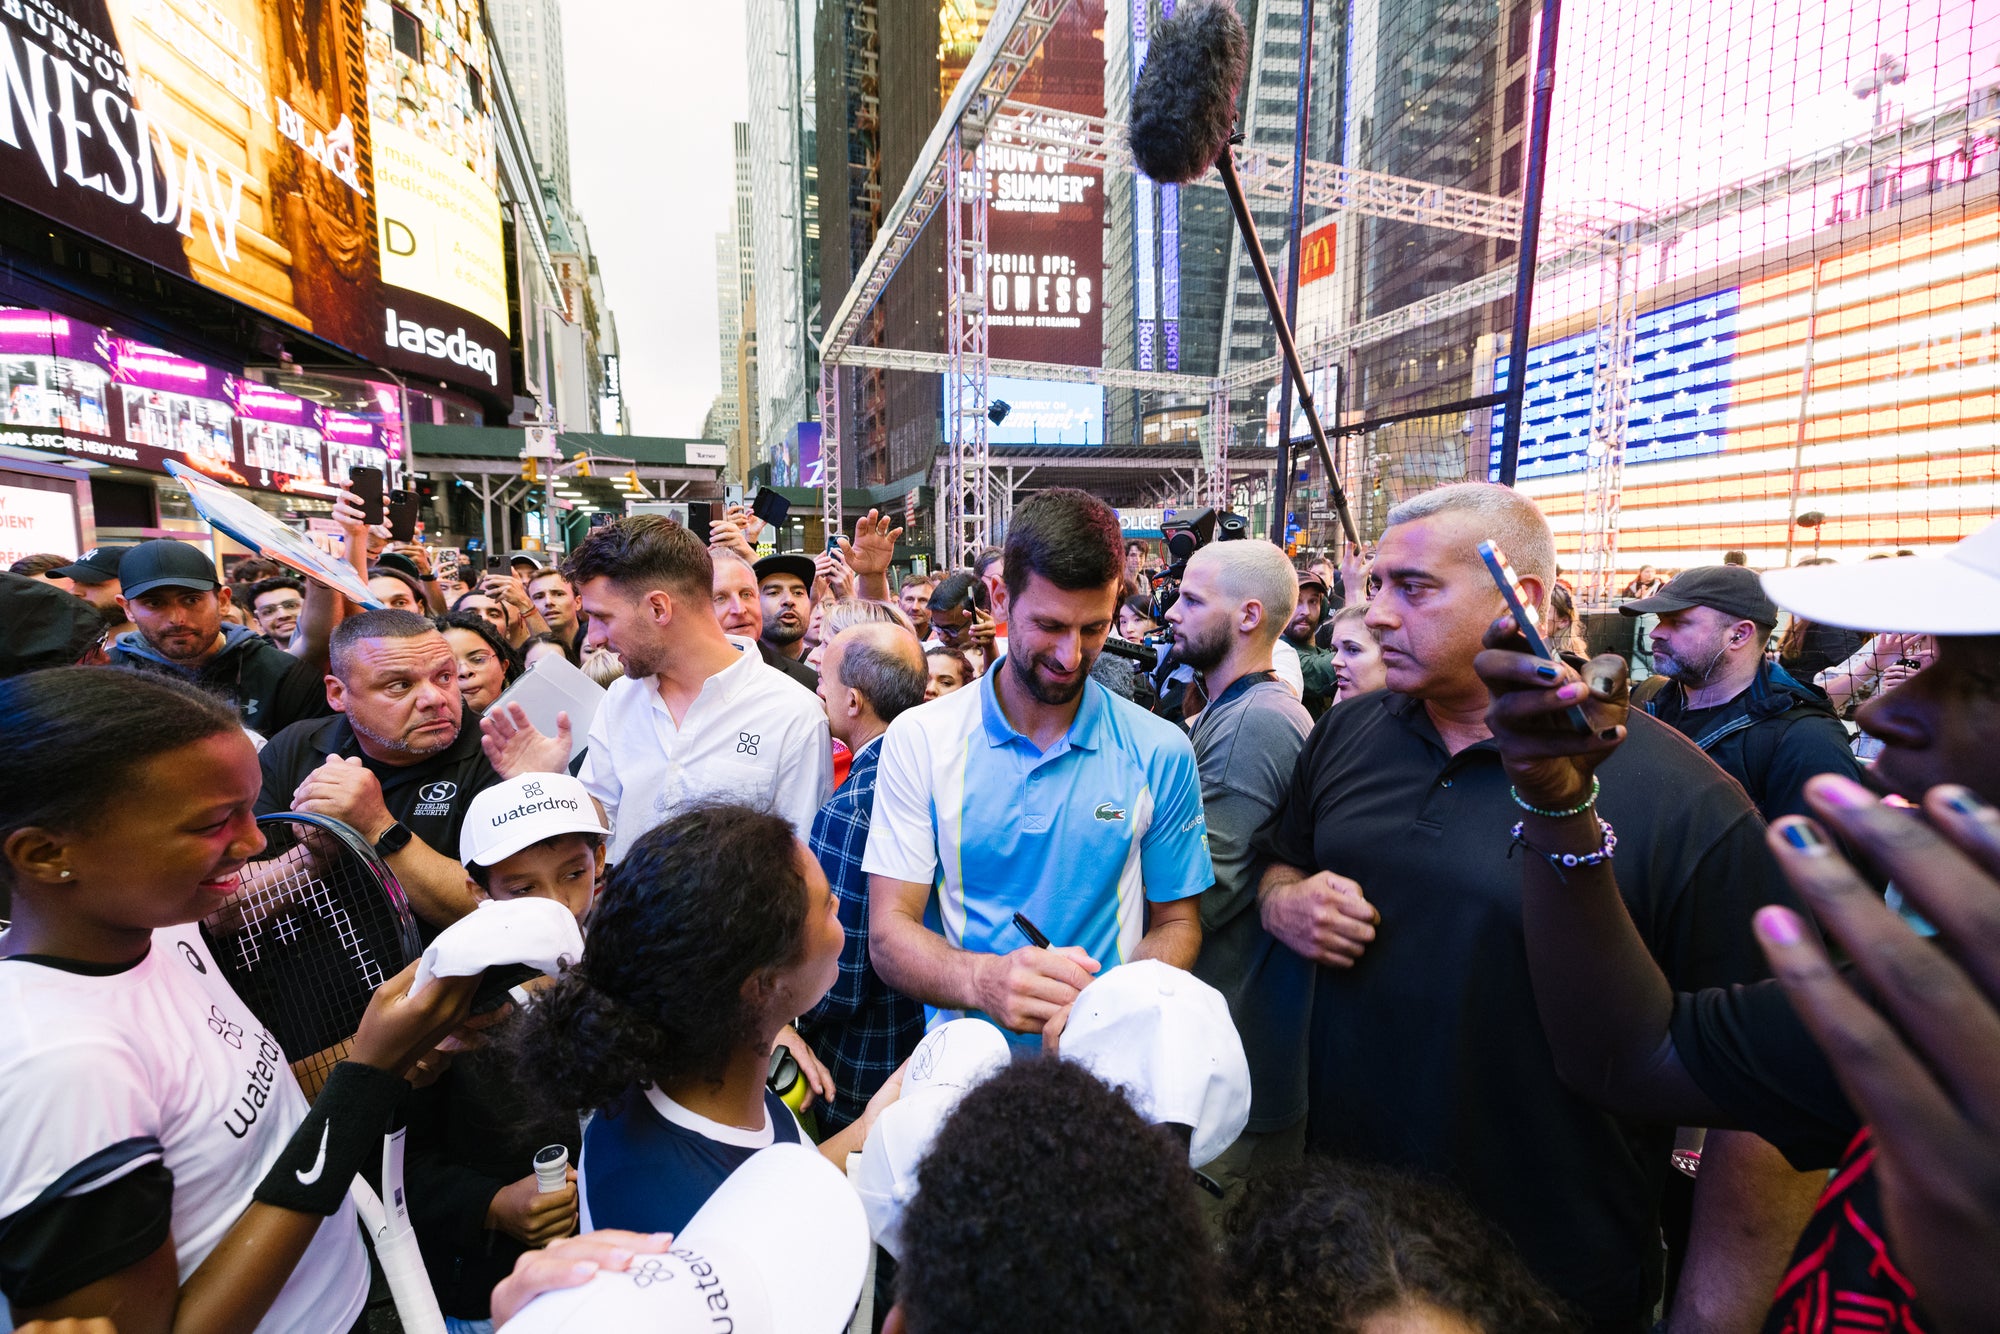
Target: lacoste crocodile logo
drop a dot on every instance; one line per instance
(1108, 813)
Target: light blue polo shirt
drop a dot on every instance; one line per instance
(1078, 837)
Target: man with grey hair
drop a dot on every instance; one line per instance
(861, 1030)
(1388, 868)
(1235, 601)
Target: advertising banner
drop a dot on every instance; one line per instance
(1046, 412)
(1044, 272)
(33, 521)
(230, 143)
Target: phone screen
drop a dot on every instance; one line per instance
(1524, 616)
(366, 483)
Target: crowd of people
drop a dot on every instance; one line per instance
(1318, 959)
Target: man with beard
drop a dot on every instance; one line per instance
(698, 716)
(1301, 635)
(784, 588)
(739, 611)
(1714, 685)
(1235, 599)
(1037, 796)
(175, 601)
(396, 761)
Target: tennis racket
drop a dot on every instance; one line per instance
(318, 924)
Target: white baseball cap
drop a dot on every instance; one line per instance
(516, 813)
(780, 1248)
(946, 1064)
(1954, 593)
(1165, 1037)
(534, 931)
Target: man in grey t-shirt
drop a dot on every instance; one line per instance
(1235, 600)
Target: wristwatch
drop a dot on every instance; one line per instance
(428, 578)
(394, 839)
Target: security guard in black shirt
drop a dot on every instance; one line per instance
(399, 762)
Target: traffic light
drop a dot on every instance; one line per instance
(530, 469)
(583, 465)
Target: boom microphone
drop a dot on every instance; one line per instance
(1184, 109)
(1183, 121)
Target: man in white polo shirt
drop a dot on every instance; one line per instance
(1035, 829)
(698, 716)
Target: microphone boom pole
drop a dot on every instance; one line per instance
(1288, 349)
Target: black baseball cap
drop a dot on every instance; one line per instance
(99, 565)
(401, 564)
(42, 625)
(794, 563)
(165, 563)
(1732, 590)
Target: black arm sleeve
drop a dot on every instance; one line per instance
(62, 1242)
(1745, 1047)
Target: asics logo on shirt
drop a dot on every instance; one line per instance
(1108, 812)
(319, 1163)
(194, 960)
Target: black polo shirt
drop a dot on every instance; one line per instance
(430, 797)
(1428, 1053)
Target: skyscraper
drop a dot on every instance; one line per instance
(531, 43)
(785, 215)
(722, 418)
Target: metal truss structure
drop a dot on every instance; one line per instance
(1610, 409)
(980, 108)
(966, 492)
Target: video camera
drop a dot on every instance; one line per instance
(1186, 532)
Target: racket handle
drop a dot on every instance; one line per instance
(551, 1169)
(402, 1262)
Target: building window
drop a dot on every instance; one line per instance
(408, 34)
(1520, 25)
(475, 88)
(1510, 170)
(1516, 102)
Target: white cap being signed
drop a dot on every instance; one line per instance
(516, 813)
(780, 1248)
(1165, 1037)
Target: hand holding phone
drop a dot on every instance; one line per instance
(1525, 618)
(366, 483)
(402, 516)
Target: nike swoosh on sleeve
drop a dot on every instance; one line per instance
(319, 1163)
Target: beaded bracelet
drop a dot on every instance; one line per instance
(1578, 809)
(1561, 861)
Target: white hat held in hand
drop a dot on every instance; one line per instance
(946, 1064)
(1165, 1037)
(780, 1248)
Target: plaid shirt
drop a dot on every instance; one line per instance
(861, 1029)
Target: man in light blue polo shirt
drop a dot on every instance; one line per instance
(1036, 792)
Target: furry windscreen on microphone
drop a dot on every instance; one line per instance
(1184, 109)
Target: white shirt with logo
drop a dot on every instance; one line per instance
(752, 735)
(165, 1058)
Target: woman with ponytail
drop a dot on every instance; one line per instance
(715, 930)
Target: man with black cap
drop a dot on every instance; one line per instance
(43, 626)
(784, 586)
(174, 598)
(1715, 686)
(1315, 663)
(93, 576)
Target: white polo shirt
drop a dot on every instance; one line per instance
(752, 735)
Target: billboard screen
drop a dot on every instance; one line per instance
(1046, 412)
(73, 388)
(1045, 248)
(233, 145)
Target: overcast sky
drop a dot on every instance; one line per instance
(653, 90)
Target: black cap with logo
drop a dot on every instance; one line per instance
(99, 565)
(795, 563)
(1729, 589)
(165, 563)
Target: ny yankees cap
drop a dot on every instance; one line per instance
(99, 565)
(516, 813)
(780, 1248)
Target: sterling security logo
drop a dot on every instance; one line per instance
(454, 347)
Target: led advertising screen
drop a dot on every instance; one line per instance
(1046, 412)
(73, 388)
(230, 142)
(1044, 273)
